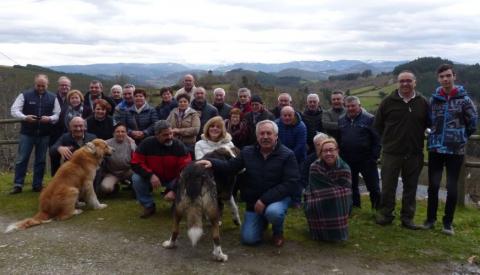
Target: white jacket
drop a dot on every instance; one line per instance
(204, 146)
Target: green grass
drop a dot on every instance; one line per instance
(361, 90)
(367, 240)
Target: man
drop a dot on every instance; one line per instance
(454, 119)
(188, 86)
(64, 86)
(168, 103)
(312, 117)
(360, 148)
(292, 132)
(331, 116)
(284, 99)
(94, 93)
(243, 103)
(124, 106)
(266, 191)
(38, 109)
(257, 114)
(219, 103)
(69, 142)
(205, 109)
(401, 121)
(158, 161)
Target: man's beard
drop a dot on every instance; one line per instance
(169, 143)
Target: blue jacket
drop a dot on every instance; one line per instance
(453, 121)
(294, 137)
(358, 141)
(142, 121)
(270, 180)
(164, 109)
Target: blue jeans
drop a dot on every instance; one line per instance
(25, 147)
(143, 189)
(254, 224)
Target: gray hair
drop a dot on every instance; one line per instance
(244, 90)
(161, 125)
(199, 89)
(128, 85)
(116, 86)
(64, 78)
(287, 94)
(352, 98)
(313, 96)
(320, 135)
(219, 90)
(261, 123)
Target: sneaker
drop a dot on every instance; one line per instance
(16, 190)
(278, 240)
(37, 188)
(428, 225)
(382, 220)
(410, 225)
(148, 212)
(448, 229)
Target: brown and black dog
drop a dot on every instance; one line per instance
(73, 181)
(198, 195)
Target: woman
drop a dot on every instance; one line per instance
(328, 196)
(185, 122)
(168, 103)
(75, 106)
(100, 123)
(141, 117)
(116, 94)
(214, 136)
(237, 128)
(117, 167)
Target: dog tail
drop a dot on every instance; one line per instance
(39, 218)
(194, 224)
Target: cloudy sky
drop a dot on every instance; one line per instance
(48, 32)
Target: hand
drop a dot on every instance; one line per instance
(45, 119)
(31, 118)
(259, 207)
(155, 181)
(65, 152)
(175, 130)
(205, 163)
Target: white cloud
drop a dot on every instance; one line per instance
(54, 32)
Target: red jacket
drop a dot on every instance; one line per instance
(166, 162)
(245, 108)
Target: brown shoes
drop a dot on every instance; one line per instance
(148, 212)
(278, 240)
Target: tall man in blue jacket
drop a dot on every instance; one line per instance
(39, 109)
(360, 147)
(272, 172)
(454, 119)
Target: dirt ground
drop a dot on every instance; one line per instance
(64, 248)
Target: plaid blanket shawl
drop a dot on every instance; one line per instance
(328, 199)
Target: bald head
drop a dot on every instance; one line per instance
(77, 127)
(287, 115)
(188, 82)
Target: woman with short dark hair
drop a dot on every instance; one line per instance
(100, 123)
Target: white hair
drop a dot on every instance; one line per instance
(313, 96)
(219, 90)
(274, 125)
(287, 94)
(244, 90)
(320, 135)
(116, 86)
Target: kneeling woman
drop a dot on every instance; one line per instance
(328, 195)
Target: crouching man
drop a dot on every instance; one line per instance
(158, 161)
(271, 174)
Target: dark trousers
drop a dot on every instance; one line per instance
(436, 162)
(409, 166)
(369, 171)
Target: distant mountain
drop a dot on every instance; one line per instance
(160, 74)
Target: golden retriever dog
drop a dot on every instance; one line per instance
(73, 181)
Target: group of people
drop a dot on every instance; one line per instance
(285, 154)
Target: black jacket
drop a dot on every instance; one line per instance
(269, 180)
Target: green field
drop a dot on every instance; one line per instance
(367, 240)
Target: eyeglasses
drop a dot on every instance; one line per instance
(330, 150)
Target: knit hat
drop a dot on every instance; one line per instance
(257, 98)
